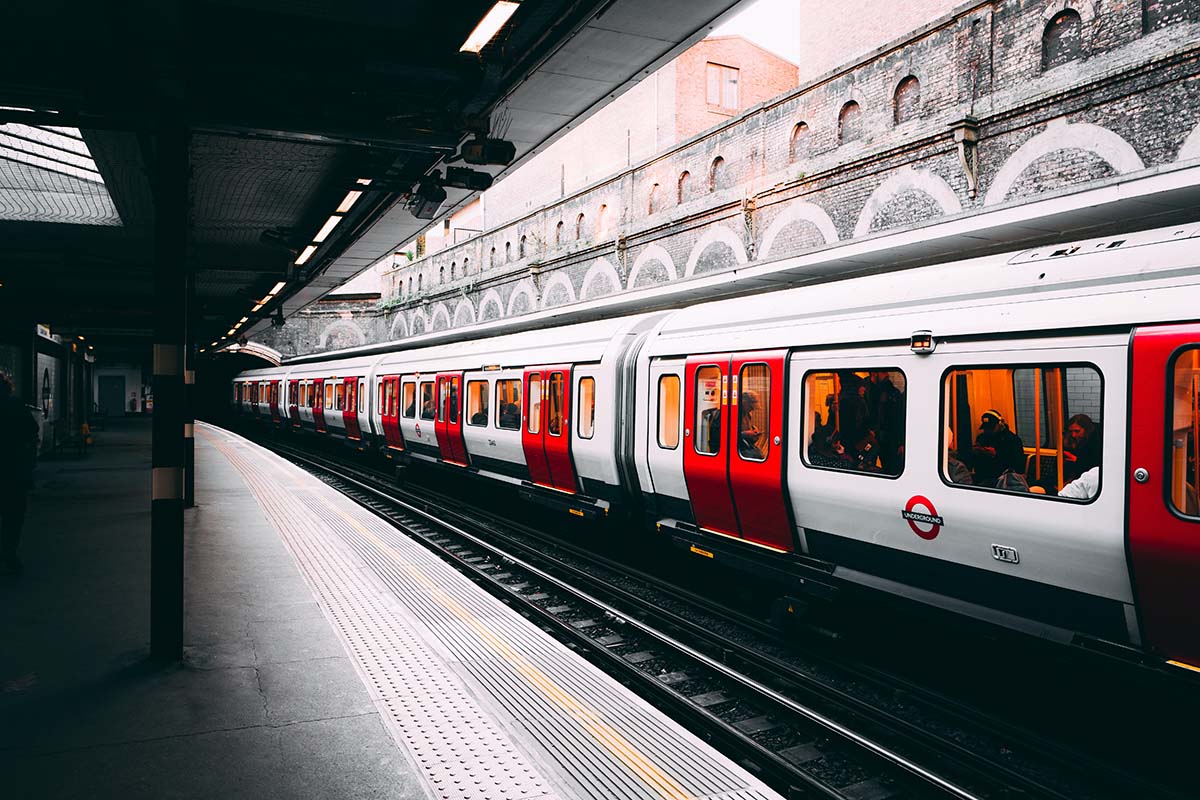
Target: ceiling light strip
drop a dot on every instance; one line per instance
(327, 228)
(488, 27)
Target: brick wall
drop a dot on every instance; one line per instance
(1125, 105)
(762, 76)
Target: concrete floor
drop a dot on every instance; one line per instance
(266, 703)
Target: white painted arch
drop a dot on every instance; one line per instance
(1062, 135)
(717, 233)
(523, 288)
(600, 268)
(399, 328)
(342, 325)
(1191, 146)
(558, 279)
(440, 312)
(653, 252)
(903, 181)
(418, 318)
(491, 297)
(464, 314)
(799, 212)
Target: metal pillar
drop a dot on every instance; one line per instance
(189, 400)
(170, 298)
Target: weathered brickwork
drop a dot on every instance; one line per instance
(1127, 100)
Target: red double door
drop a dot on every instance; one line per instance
(273, 394)
(449, 418)
(293, 403)
(389, 411)
(546, 432)
(350, 408)
(319, 405)
(733, 455)
(1164, 511)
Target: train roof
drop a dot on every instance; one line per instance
(1141, 278)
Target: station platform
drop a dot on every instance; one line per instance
(327, 655)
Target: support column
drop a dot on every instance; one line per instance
(189, 398)
(171, 175)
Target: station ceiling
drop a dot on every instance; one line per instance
(289, 103)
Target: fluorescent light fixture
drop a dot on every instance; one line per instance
(214, 344)
(363, 181)
(488, 27)
(81, 337)
(230, 332)
(257, 307)
(327, 228)
(306, 254)
(242, 321)
(201, 349)
(275, 290)
(348, 201)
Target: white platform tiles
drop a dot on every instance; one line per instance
(485, 704)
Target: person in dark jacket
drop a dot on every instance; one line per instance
(997, 450)
(18, 448)
(1082, 450)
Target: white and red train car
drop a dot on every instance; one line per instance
(1014, 438)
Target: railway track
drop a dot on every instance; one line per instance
(722, 674)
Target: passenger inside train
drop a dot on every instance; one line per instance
(864, 424)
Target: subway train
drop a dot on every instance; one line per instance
(1013, 438)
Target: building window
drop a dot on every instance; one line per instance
(507, 252)
(558, 234)
(907, 100)
(723, 86)
(601, 221)
(492, 258)
(798, 146)
(854, 419)
(441, 275)
(716, 174)
(453, 270)
(579, 227)
(1030, 429)
(420, 281)
(1062, 41)
(521, 247)
(650, 203)
(587, 407)
(683, 187)
(668, 412)
(466, 262)
(849, 123)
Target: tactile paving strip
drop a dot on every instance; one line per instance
(604, 740)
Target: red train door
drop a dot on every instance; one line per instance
(546, 434)
(1164, 456)
(389, 411)
(733, 456)
(533, 419)
(705, 436)
(449, 418)
(255, 390)
(350, 409)
(319, 404)
(274, 396)
(756, 457)
(293, 399)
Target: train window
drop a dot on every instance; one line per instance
(443, 398)
(455, 401)
(1185, 434)
(508, 404)
(754, 412)
(382, 404)
(477, 403)
(329, 395)
(410, 399)
(555, 413)
(428, 406)
(361, 392)
(535, 403)
(668, 412)
(339, 397)
(708, 410)
(587, 407)
(1028, 429)
(854, 420)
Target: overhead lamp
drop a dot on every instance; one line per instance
(230, 332)
(363, 181)
(80, 337)
(306, 254)
(201, 349)
(276, 288)
(348, 201)
(327, 228)
(242, 321)
(214, 344)
(488, 27)
(257, 307)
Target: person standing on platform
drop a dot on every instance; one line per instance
(18, 445)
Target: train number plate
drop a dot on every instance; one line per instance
(1009, 555)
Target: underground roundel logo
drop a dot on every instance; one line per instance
(919, 511)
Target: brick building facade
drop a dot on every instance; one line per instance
(1065, 93)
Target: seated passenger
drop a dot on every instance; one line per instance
(1084, 487)
(1081, 450)
(826, 450)
(956, 470)
(411, 408)
(997, 450)
(479, 418)
(510, 416)
(748, 433)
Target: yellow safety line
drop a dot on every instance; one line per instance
(604, 733)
